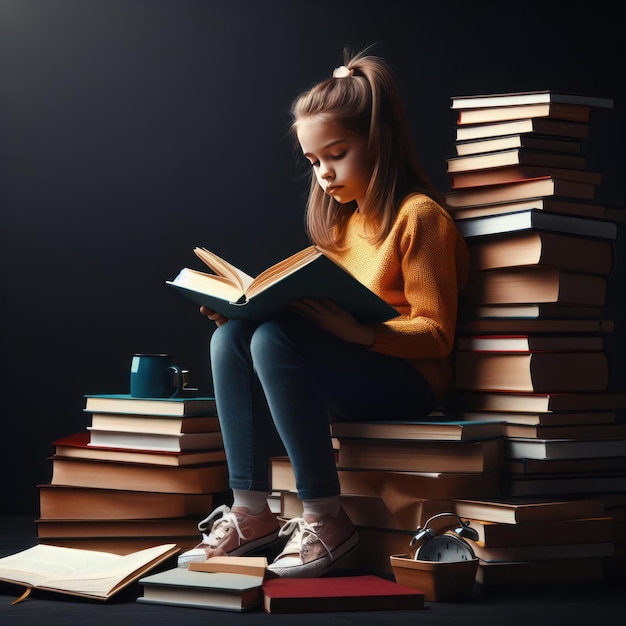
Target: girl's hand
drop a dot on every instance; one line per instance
(218, 318)
(335, 320)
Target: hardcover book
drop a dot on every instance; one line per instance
(197, 479)
(125, 403)
(338, 593)
(566, 251)
(306, 274)
(85, 573)
(180, 586)
(516, 98)
(520, 510)
(540, 220)
(554, 110)
(78, 446)
(533, 371)
(539, 125)
(449, 430)
(67, 502)
(522, 189)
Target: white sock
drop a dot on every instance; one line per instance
(254, 501)
(322, 506)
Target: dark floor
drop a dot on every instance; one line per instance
(579, 604)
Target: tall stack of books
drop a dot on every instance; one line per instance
(142, 473)
(395, 475)
(532, 336)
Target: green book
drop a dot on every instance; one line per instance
(306, 274)
(125, 403)
(210, 590)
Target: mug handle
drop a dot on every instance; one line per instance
(179, 378)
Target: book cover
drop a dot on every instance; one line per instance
(549, 467)
(422, 456)
(197, 479)
(547, 401)
(306, 274)
(543, 310)
(250, 565)
(63, 501)
(597, 549)
(125, 403)
(564, 448)
(518, 510)
(338, 593)
(537, 325)
(551, 204)
(529, 343)
(540, 220)
(568, 112)
(544, 532)
(570, 484)
(521, 189)
(568, 431)
(89, 574)
(534, 371)
(566, 251)
(528, 141)
(515, 98)
(154, 441)
(506, 174)
(515, 156)
(536, 284)
(77, 445)
(399, 489)
(163, 425)
(539, 125)
(543, 418)
(180, 586)
(144, 528)
(452, 430)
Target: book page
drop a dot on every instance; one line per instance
(72, 569)
(224, 269)
(281, 269)
(211, 284)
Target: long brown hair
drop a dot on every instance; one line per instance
(364, 98)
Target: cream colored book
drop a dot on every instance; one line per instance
(251, 565)
(86, 573)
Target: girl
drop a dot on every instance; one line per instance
(372, 209)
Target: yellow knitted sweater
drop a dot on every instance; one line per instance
(420, 269)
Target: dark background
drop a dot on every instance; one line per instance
(133, 130)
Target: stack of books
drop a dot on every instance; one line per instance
(539, 540)
(396, 475)
(142, 473)
(533, 331)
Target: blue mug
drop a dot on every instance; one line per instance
(154, 376)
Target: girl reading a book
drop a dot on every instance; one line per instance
(278, 383)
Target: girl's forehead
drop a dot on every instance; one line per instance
(318, 131)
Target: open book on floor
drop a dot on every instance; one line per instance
(308, 273)
(86, 573)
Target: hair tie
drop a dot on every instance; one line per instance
(342, 72)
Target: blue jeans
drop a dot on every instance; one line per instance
(279, 383)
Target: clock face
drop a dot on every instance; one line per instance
(445, 548)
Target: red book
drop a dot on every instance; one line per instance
(338, 593)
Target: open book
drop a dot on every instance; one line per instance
(86, 573)
(306, 274)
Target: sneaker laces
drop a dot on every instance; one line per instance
(220, 527)
(302, 533)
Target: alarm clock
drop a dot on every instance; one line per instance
(444, 566)
(449, 545)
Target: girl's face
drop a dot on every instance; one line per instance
(338, 157)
